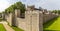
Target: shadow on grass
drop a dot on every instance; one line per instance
(47, 24)
(16, 28)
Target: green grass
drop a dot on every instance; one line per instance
(52, 25)
(17, 29)
(2, 28)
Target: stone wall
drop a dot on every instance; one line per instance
(48, 16)
(40, 21)
(21, 23)
(33, 20)
(9, 18)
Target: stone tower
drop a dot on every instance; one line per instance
(34, 19)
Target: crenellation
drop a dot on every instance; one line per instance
(33, 20)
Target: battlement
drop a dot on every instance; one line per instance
(32, 8)
(33, 21)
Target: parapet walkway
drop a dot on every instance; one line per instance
(52, 25)
(7, 27)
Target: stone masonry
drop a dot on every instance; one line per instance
(33, 20)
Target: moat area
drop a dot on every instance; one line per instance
(53, 25)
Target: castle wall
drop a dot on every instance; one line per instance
(40, 21)
(17, 12)
(28, 18)
(48, 16)
(33, 20)
(21, 23)
(9, 19)
(3, 16)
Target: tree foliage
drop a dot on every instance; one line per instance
(17, 5)
(56, 11)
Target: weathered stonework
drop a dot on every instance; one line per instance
(33, 20)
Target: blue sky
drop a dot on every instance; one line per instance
(47, 4)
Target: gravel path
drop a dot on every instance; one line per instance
(7, 27)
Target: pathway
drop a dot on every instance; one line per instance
(7, 27)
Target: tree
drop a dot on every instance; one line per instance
(20, 6)
(17, 5)
(56, 11)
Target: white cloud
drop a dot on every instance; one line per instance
(51, 4)
(48, 4)
(31, 2)
(3, 5)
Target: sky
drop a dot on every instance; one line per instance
(46, 4)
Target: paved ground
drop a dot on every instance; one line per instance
(7, 27)
(53, 25)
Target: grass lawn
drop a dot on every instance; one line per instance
(2, 28)
(53, 25)
(17, 29)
